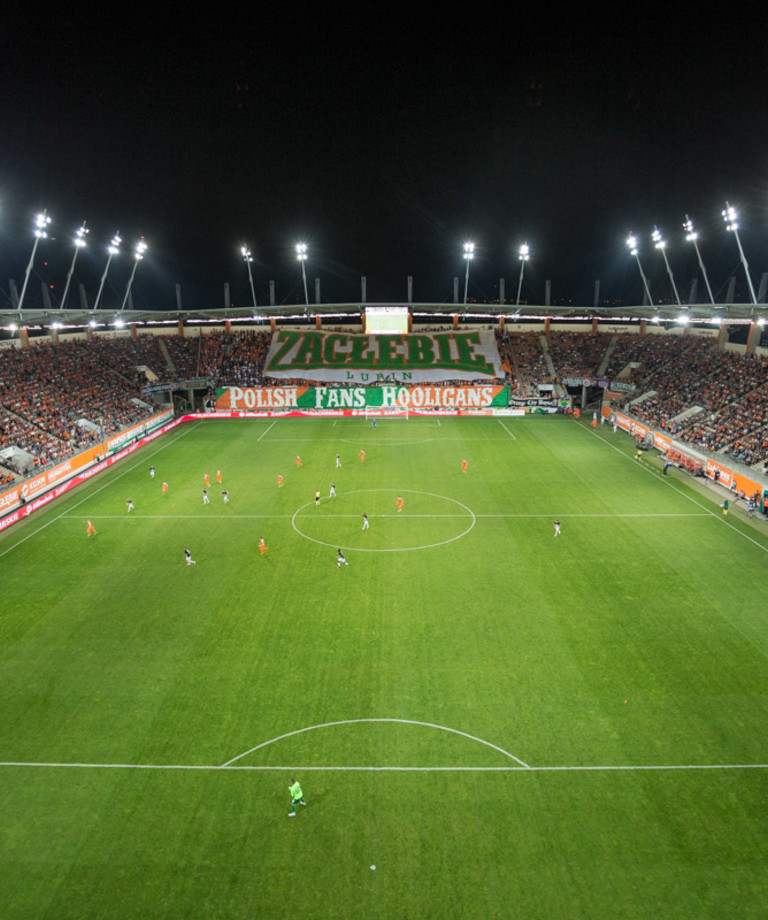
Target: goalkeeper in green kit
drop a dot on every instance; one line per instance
(296, 796)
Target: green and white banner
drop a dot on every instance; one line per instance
(341, 357)
(258, 399)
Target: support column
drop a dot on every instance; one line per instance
(753, 338)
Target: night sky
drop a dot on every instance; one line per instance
(385, 144)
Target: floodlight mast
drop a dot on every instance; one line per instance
(112, 249)
(41, 222)
(138, 255)
(469, 254)
(79, 242)
(692, 237)
(245, 252)
(659, 243)
(632, 243)
(525, 254)
(301, 255)
(732, 224)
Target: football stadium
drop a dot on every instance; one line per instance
(359, 616)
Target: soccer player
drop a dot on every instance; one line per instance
(339, 559)
(463, 466)
(91, 530)
(338, 462)
(317, 497)
(262, 546)
(279, 480)
(225, 496)
(366, 525)
(218, 476)
(333, 490)
(206, 500)
(188, 556)
(399, 504)
(298, 460)
(725, 506)
(557, 528)
(296, 796)
(373, 423)
(129, 504)
(165, 487)
(151, 472)
(362, 456)
(751, 508)
(207, 481)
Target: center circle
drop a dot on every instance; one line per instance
(383, 515)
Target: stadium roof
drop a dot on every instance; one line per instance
(694, 313)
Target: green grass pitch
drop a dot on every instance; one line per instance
(503, 723)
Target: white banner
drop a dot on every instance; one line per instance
(340, 357)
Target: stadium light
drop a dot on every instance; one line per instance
(524, 255)
(692, 236)
(245, 252)
(732, 225)
(632, 243)
(138, 255)
(112, 249)
(469, 254)
(79, 242)
(659, 243)
(301, 255)
(41, 222)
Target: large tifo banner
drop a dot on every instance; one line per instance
(250, 399)
(341, 357)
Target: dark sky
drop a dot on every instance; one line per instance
(384, 142)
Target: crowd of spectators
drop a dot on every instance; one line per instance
(58, 399)
(713, 399)
(524, 359)
(575, 354)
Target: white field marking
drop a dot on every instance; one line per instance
(506, 429)
(274, 422)
(391, 549)
(325, 500)
(385, 441)
(441, 728)
(306, 768)
(91, 493)
(675, 488)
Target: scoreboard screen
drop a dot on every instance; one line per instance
(386, 320)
